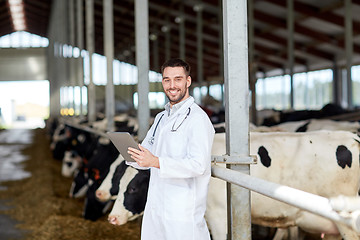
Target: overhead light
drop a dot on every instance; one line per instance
(126, 53)
(178, 19)
(198, 7)
(15, 2)
(17, 14)
(153, 37)
(165, 28)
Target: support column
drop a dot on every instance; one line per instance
(237, 113)
(71, 61)
(337, 85)
(221, 52)
(80, 43)
(306, 93)
(349, 50)
(53, 55)
(199, 46)
(290, 27)
(142, 63)
(108, 13)
(90, 45)
(62, 38)
(182, 32)
(252, 73)
(155, 50)
(167, 31)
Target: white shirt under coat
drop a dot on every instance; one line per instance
(176, 201)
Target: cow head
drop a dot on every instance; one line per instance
(132, 196)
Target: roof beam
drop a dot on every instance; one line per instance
(315, 35)
(298, 46)
(314, 12)
(278, 53)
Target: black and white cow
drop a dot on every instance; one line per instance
(318, 124)
(71, 163)
(109, 188)
(91, 175)
(132, 194)
(289, 115)
(325, 163)
(98, 165)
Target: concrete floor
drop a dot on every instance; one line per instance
(11, 143)
(8, 230)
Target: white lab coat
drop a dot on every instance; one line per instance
(177, 193)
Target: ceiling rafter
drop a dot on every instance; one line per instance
(315, 12)
(315, 35)
(298, 46)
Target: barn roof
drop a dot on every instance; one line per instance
(319, 38)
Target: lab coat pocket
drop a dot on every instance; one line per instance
(175, 144)
(179, 199)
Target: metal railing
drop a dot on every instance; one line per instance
(345, 210)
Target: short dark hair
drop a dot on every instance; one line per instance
(176, 62)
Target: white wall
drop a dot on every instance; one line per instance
(23, 64)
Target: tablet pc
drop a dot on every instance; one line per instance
(123, 140)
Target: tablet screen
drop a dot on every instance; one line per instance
(123, 140)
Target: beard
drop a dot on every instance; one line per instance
(177, 98)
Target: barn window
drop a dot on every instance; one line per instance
(312, 90)
(157, 100)
(273, 92)
(23, 39)
(355, 74)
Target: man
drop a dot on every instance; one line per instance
(177, 149)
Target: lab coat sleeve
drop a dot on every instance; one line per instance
(197, 159)
(145, 144)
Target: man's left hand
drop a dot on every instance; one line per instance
(143, 157)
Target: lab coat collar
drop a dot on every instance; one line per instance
(176, 107)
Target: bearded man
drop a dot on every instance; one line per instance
(177, 149)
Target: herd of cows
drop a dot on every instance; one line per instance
(319, 156)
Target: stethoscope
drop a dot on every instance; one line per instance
(152, 138)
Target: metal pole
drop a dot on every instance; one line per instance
(264, 91)
(182, 32)
(55, 105)
(142, 63)
(337, 86)
(304, 200)
(72, 44)
(290, 27)
(109, 54)
(155, 49)
(80, 33)
(306, 93)
(199, 46)
(237, 113)
(252, 74)
(62, 38)
(90, 44)
(349, 50)
(167, 39)
(221, 51)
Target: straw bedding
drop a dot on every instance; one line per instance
(41, 203)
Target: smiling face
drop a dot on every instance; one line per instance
(176, 84)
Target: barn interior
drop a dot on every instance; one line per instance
(100, 59)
